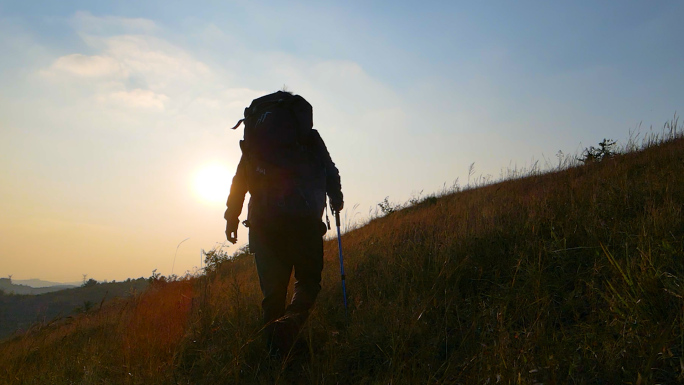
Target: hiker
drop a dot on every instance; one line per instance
(286, 168)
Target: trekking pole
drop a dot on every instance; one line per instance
(339, 247)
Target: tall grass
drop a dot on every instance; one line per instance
(572, 275)
(125, 342)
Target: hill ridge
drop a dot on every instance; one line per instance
(566, 276)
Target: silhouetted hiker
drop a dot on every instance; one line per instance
(288, 171)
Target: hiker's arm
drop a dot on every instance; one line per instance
(236, 198)
(333, 185)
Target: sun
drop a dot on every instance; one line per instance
(212, 183)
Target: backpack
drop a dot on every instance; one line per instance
(285, 174)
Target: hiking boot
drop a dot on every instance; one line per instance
(283, 335)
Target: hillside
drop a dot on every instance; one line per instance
(19, 311)
(14, 287)
(573, 276)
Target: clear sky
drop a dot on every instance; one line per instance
(114, 116)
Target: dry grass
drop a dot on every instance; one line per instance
(126, 342)
(573, 276)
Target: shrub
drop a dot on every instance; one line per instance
(596, 154)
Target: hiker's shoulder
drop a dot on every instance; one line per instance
(312, 138)
(315, 135)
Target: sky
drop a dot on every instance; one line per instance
(116, 153)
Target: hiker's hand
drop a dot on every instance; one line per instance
(232, 229)
(337, 206)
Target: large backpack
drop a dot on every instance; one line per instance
(285, 174)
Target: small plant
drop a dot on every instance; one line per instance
(597, 154)
(387, 207)
(419, 200)
(89, 283)
(154, 277)
(244, 250)
(414, 200)
(214, 258)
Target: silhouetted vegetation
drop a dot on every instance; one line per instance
(89, 283)
(387, 207)
(605, 149)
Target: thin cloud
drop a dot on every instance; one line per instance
(86, 22)
(138, 98)
(154, 58)
(88, 66)
(134, 71)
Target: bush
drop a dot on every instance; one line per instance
(597, 154)
(214, 258)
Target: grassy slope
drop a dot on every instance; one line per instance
(126, 340)
(19, 312)
(568, 277)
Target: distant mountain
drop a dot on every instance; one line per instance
(19, 312)
(12, 287)
(39, 283)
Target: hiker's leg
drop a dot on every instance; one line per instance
(274, 276)
(274, 273)
(308, 265)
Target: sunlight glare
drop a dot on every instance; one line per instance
(212, 183)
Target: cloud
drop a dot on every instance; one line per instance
(129, 67)
(153, 58)
(140, 72)
(159, 83)
(133, 59)
(132, 64)
(85, 22)
(88, 66)
(140, 99)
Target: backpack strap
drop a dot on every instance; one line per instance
(238, 124)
